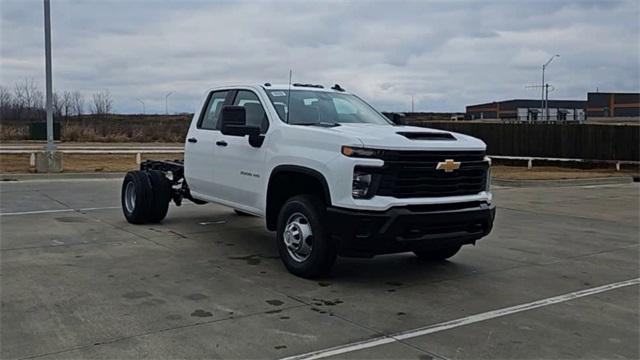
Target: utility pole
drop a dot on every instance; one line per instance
(546, 101)
(51, 147)
(542, 103)
(49, 160)
(144, 110)
(411, 103)
(166, 108)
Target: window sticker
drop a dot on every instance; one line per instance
(278, 93)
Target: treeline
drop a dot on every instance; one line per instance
(25, 102)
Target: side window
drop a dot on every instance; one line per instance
(253, 108)
(212, 113)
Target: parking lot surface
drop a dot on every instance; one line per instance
(77, 281)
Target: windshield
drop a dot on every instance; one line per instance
(318, 107)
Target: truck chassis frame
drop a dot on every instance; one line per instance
(174, 171)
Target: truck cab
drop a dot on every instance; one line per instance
(331, 175)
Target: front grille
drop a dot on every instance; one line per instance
(409, 174)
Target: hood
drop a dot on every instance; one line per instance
(408, 137)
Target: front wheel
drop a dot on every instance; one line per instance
(304, 247)
(439, 254)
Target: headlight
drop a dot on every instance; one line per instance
(361, 185)
(361, 152)
(488, 181)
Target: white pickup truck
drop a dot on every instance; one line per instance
(330, 174)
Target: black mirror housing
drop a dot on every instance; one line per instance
(233, 120)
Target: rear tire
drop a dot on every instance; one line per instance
(136, 197)
(161, 195)
(301, 221)
(439, 254)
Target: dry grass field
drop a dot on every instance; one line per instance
(19, 163)
(112, 128)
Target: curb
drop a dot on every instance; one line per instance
(613, 180)
(61, 176)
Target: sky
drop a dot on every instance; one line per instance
(444, 54)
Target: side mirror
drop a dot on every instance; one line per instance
(233, 122)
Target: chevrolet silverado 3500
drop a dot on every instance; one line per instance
(328, 173)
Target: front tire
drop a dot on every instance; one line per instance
(439, 254)
(304, 247)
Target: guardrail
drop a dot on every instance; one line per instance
(112, 150)
(106, 150)
(531, 159)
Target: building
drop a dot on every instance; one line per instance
(608, 105)
(619, 107)
(527, 110)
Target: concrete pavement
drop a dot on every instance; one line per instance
(79, 282)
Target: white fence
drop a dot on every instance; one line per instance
(108, 150)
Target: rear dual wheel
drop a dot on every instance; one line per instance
(145, 196)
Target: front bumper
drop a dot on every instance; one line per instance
(409, 228)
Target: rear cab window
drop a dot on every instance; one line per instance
(209, 119)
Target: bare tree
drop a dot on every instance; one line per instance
(28, 100)
(19, 102)
(102, 103)
(29, 95)
(6, 103)
(66, 103)
(77, 102)
(56, 103)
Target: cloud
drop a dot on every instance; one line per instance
(444, 54)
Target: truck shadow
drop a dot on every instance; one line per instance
(404, 268)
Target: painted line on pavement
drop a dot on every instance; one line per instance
(28, 181)
(70, 210)
(56, 211)
(382, 340)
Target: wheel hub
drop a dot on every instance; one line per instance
(130, 197)
(298, 237)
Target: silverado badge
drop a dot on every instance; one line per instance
(448, 165)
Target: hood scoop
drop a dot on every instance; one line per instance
(426, 135)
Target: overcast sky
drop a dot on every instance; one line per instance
(446, 54)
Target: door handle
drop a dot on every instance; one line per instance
(192, 140)
(221, 143)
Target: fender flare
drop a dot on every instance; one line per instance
(295, 169)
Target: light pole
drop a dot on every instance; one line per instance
(144, 110)
(166, 97)
(543, 104)
(51, 147)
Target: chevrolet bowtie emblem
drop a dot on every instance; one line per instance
(448, 165)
